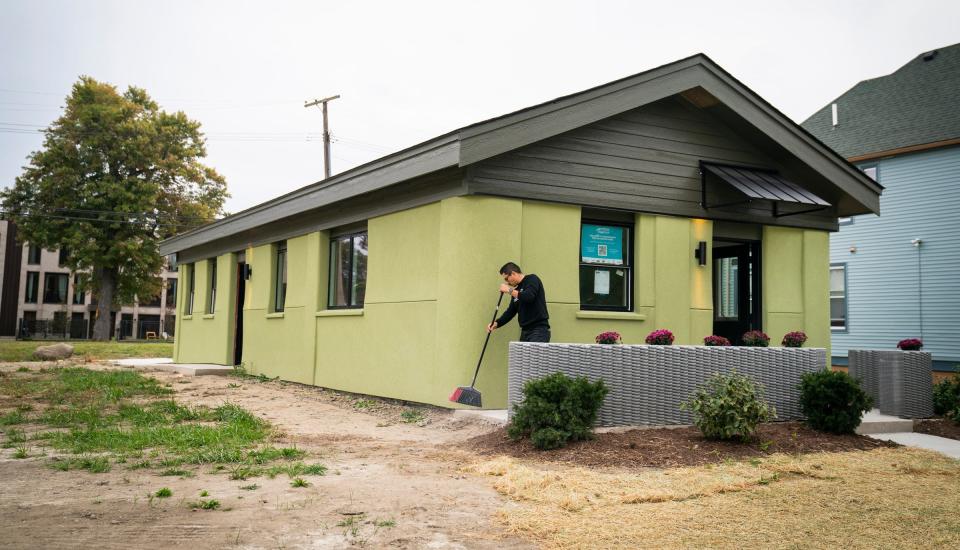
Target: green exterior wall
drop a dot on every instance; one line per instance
(432, 283)
(203, 337)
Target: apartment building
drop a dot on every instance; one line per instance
(39, 297)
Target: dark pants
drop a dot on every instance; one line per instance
(535, 334)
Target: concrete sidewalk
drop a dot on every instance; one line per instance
(949, 447)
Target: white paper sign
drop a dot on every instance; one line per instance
(601, 282)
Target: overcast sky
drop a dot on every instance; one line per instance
(409, 71)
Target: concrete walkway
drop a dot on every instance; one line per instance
(949, 447)
(166, 364)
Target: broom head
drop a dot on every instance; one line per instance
(466, 395)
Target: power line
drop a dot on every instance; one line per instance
(92, 220)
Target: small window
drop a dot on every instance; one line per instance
(55, 288)
(212, 274)
(32, 287)
(280, 278)
(870, 171)
(838, 297)
(79, 296)
(348, 271)
(33, 255)
(171, 293)
(606, 266)
(63, 256)
(191, 268)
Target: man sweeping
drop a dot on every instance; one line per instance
(529, 301)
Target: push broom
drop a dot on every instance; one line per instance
(468, 395)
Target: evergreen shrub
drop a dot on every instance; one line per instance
(729, 406)
(833, 401)
(946, 395)
(557, 409)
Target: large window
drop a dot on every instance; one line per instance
(55, 288)
(171, 293)
(191, 269)
(33, 255)
(838, 297)
(280, 278)
(32, 287)
(212, 285)
(78, 294)
(348, 271)
(606, 264)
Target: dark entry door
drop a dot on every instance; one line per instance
(241, 292)
(736, 289)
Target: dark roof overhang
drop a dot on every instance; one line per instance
(759, 184)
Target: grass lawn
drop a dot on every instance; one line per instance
(22, 350)
(97, 420)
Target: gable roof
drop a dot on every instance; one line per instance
(915, 105)
(483, 140)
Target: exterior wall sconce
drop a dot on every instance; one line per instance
(853, 249)
(247, 271)
(700, 253)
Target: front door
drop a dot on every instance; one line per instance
(238, 333)
(736, 289)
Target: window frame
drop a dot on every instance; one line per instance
(280, 286)
(627, 266)
(350, 282)
(83, 294)
(211, 285)
(846, 298)
(56, 277)
(36, 288)
(191, 287)
(33, 250)
(170, 296)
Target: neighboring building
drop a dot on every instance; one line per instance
(898, 276)
(676, 198)
(42, 300)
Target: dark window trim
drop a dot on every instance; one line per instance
(191, 286)
(30, 255)
(846, 301)
(628, 262)
(83, 295)
(278, 303)
(47, 276)
(212, 285)
(333, 241)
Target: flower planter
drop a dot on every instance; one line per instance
(648, 383)
(900, 382)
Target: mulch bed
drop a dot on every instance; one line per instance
(671, 447)
(942, 427)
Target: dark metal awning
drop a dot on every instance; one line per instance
(759, 184)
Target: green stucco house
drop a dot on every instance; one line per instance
(675, 198)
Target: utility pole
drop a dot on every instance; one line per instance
(326, 131)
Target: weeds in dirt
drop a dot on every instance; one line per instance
(165, 492)
(363, 403)
(299, 482)
(15, 417)
(176, 472)
(92, 464)
(251, 487)
(211, 504)
(204, 493)
(21, 452)
(412, 416)
(23, 369)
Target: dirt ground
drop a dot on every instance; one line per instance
(390, 484)
(943, 427)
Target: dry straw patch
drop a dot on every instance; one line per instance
(885, 498)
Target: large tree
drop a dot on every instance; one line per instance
(116, 175)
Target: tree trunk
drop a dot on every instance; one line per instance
(101, 327)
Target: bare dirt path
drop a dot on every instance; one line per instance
(390, 484)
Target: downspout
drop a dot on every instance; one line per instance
(916, 243)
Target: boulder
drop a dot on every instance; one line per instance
(53, 352)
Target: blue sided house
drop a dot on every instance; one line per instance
(898, 276)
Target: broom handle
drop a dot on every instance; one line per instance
(485, 342)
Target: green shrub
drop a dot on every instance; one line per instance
(833, 401)
(946, 395)
(557, 409)
(729, 407)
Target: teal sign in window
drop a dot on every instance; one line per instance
(601, 244)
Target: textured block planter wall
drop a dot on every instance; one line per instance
(900, 382)
(648, 383)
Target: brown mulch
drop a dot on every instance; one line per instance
(943, 427)
(672, 447)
